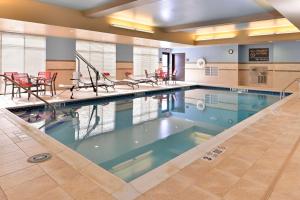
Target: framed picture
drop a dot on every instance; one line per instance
(259, 54)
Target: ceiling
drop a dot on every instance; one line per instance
(166, 13)
(190, 22)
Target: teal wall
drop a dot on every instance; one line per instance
(279, 51)
(124, 53)
(58, 48)
(210, 53)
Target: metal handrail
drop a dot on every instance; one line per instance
(283, 91)
(31, 93)
(89, 65)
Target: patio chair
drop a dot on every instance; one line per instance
(23, 81)
(127, 82)
(151, 81)
(6, 81)
(46, 80)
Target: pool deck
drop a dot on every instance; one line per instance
(261, 161)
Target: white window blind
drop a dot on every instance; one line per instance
(101, 55)
(211, 71)
(145, 58)
(23, 53)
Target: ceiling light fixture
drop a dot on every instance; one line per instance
(133, 28)
(271, 27)
(215, 36)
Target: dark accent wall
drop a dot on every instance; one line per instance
(60, 49)
(124, 53)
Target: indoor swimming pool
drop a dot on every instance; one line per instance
(131, 136)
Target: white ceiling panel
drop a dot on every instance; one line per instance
(165, 13)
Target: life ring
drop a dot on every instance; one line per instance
(200, 105)
(201, 62)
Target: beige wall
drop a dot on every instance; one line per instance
(279, 75)
(122, 68)
(227, 74)
(64, 69)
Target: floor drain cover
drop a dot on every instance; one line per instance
(39, 158)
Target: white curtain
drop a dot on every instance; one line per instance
(23, 53)
(101, 55)
(145, 58)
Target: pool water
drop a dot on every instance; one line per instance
(130, 137)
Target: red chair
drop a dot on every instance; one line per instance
(23, 81)
(8, 82)
(48, 82)
(44, 75)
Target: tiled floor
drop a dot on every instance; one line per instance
(260, 162)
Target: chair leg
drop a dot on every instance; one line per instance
(29, 93)
(5, 88)
(54, 88)
(51, 89)
(12, 92)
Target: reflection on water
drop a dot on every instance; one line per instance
(131, 137)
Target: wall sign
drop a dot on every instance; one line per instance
(259, 54)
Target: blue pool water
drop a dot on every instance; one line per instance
(132, 136)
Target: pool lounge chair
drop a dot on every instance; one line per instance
(81, 83)
(150, 80)
(131, 83)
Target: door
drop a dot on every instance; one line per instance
(178, 64)
(166, 62)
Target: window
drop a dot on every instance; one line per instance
(23, 53)
(211, 71)
(144, 58)
(101, 55)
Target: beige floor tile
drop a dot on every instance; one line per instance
(55, 194)
(2, 195)
(12, 156)
(234, 166)
(14, 166)
(78, 186)
(63, 175)
(4, 140)
(172, 186)
(217, 182)
(250, 155)
(195, 193)
(245, 189)
(31, 189)
(8, 148)
(196, 170)
(21, 176)
(260, 174)
(97, 193)
(74, 159)
(107, 181)
(55, 163)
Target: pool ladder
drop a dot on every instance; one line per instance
(283, 91)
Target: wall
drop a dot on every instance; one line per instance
(283, 67)
(60, 58)
(124, 60)
(216, 56)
